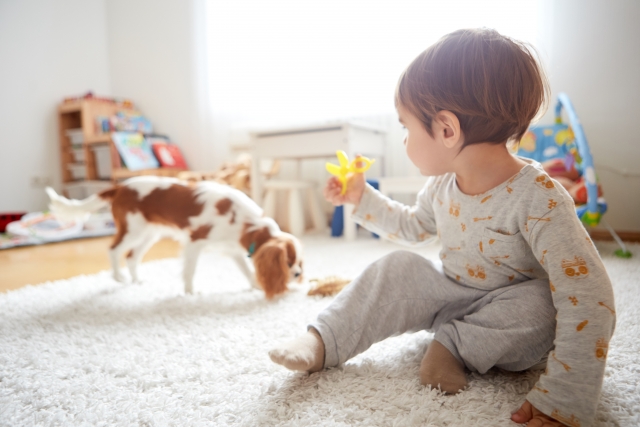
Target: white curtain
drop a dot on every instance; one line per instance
(278, 59)
(275, 62)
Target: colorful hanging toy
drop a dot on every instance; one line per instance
(341, 171)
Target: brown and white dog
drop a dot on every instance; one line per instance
(148, 208)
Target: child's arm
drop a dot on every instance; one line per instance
(396, 221)
(382, 215)
(569, 389)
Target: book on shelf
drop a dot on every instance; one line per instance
(168, 154)
(135, 150)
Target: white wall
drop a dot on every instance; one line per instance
(48, 50)
(592, 49)
(153, 52)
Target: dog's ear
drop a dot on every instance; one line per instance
(272, 270)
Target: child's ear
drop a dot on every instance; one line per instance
(448, 128)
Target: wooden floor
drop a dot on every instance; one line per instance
(36, 264)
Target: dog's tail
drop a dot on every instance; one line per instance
(73, 210)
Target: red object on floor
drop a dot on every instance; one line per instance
(7, 217)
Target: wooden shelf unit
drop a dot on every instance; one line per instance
(124, 173)
(81, 114)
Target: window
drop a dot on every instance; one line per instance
(288, 60)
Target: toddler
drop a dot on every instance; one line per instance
(520, 285)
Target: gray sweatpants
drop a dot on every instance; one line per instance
(512, 328)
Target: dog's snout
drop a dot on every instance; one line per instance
(296, 275)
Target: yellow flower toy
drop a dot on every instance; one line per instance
(341, 171)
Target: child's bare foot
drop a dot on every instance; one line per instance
(305, 353)
(440, 368)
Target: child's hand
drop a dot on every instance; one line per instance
(534, 418)
(355, 188)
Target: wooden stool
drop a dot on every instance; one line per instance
(296, 223)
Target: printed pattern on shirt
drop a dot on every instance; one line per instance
(575, 268)
(571, 420)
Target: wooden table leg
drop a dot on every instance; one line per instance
(349, 226)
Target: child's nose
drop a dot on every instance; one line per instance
(404, 141)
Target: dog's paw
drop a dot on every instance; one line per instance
(119, 278)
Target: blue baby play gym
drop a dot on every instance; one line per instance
(563, 151)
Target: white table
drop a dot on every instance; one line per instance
(316, 141)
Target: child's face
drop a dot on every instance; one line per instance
(427, 152)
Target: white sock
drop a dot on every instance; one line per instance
(305, 353)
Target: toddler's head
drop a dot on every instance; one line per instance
(492, 84)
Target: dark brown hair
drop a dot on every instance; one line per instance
(493, 84)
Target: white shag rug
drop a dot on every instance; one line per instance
(90, 351)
